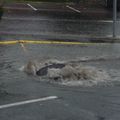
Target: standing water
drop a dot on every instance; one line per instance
(85, 81)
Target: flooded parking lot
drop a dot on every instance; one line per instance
(73, 55)
(92, 95)
(97, 102)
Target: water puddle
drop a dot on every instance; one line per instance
(70, 73)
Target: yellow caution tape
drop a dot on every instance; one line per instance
(8, 42)
(44, 42)
(53, 42)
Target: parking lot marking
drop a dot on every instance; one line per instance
(73, 9)
(32, 7)
(27, 102)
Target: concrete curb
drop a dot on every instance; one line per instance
(93, 40)
(64, 37)
(104, 40)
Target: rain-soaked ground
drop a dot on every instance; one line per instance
(58, 21)
(89, 99)
(97, 102)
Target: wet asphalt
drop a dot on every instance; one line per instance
(56, 22)
(73, 103)
(99, 102)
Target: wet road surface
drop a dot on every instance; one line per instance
(99, 102)
(58, 21)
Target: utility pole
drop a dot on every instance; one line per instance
(114, 17)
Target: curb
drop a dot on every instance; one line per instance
(83, 40)
(104, 40)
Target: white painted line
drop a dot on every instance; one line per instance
(73, 9)
(32, 7)
(27, 102)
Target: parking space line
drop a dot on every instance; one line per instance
(32, 7)
(73, 9)
(27, 102)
